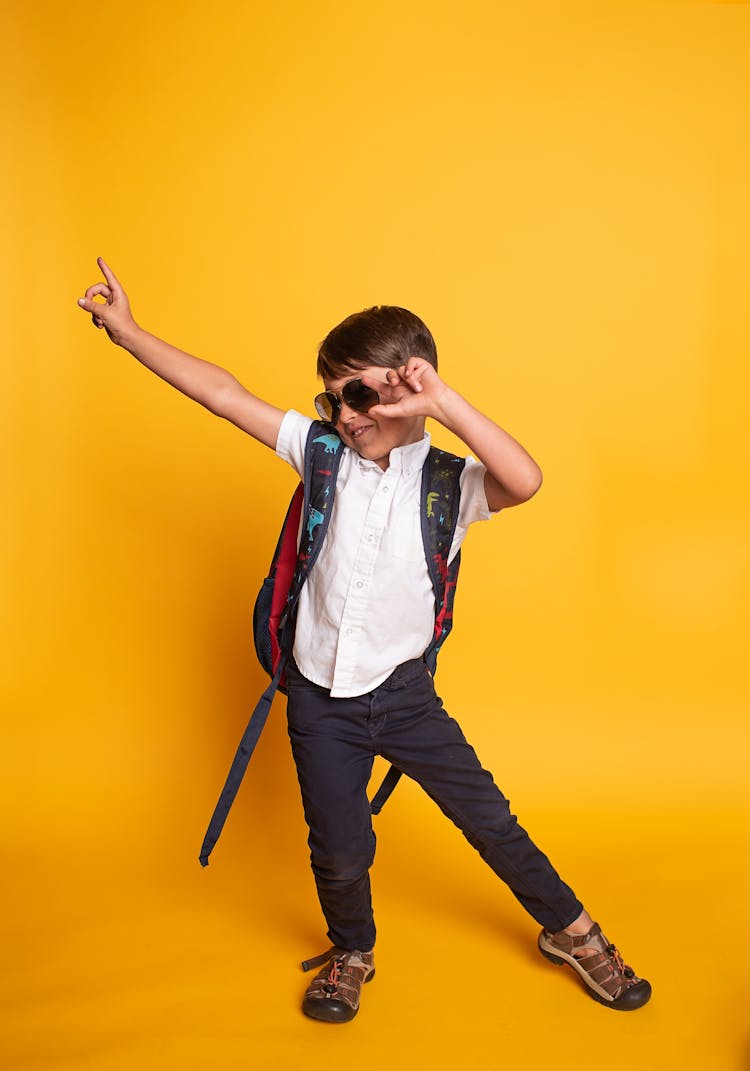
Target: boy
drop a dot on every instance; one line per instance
(357, 682)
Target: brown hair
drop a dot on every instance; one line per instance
(385, 336)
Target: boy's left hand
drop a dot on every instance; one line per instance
(414, 389)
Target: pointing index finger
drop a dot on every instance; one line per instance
(108, 274)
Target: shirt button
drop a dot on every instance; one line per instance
(359, 583)
(348, 632)
(385, 489)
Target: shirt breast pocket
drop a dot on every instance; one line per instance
(405, 541)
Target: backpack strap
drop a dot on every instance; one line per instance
(272, 598)
(387, 785)
(323, 454)
(441, 493)
(313, 505)
(438, 514)
(239, 764)
(297, 547)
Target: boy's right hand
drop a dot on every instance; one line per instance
(206, 383)
(113, 315)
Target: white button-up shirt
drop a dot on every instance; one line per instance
(368, 603)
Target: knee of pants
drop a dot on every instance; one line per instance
(501, 827)
(342, 867)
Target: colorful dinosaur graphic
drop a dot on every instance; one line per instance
(441, 564)
(331, 442)
(433, 495)
(314, 518)
(445, 614)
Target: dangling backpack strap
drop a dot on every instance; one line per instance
(438, 513)
(278, 598)
(387, 785)
(239, 763)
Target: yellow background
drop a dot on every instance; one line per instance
(561, 192)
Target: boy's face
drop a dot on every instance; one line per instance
(373, 437)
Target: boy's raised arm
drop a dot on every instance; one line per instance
(212, 386)
(512, 474)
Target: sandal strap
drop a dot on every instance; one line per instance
(318, 961)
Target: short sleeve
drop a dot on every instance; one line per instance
(473, 505)
(290, 445)
(473, 495)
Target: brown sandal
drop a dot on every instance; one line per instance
(333, 994)
(600, 966)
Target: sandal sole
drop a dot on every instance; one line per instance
(641, 991)
(316, 1009)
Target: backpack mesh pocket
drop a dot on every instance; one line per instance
(262, 625)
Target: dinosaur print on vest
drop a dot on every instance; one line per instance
(314, 518)
(331, 442)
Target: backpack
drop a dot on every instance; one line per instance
(299, 544)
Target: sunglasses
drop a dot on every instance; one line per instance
(354, 393)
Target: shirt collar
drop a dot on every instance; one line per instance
(407, 459)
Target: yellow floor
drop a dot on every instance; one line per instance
(116, 959)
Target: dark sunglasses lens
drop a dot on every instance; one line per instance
(358, 396)
(327, 406)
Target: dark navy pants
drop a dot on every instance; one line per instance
(334, 742)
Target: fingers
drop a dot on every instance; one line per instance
(389, 409)
(105, 290)
(113, 313)
(90, 305)
(401, 382)
(109, 275)
(395, 378)
(393, 389)
(412, 373)
(99, 288)
(96, 308)
(371, 381)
